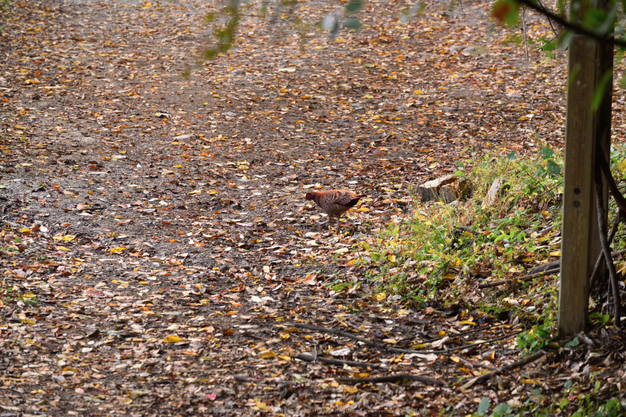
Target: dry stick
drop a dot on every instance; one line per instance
(518, 364)
(392, 349)
(606, 249)
(310, 358)
(243, 378)
(392, 378)
(523, 278)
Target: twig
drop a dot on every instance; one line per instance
(524, 29)
(518, 364)
(310, 358)
(392, 378)
(550, 21)
(606, 248)
(596, 268)
(522, 278)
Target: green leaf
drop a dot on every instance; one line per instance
(484, 405)
(354, 6)
(503, 408)
(506, 11)
(352, 23)
(598, 95)
(546, 153)
(511, 156)
(553, 168)
(572, 343)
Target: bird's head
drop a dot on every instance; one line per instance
(309, 196)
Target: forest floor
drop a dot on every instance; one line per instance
(158, 257)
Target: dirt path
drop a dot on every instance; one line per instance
(156, 239)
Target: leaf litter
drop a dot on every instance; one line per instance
(158, 256)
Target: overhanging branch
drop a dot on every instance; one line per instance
(572, 26)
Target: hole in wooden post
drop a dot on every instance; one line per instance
(576, 204)
(576, 190)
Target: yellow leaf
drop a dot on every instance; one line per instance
(531, 382)
(285, 358)
(362, 375)
(467, 322)
(350, 390)
(29, 295)
(172, 339)
(390, 341)
(455, 359)
(24, 230)
(556, 253)
(352, 262)
(260, 405)
(117, 250)
(392, 258)
(63, 248)
(622, 166)
(381, 296)
(66, 238)
(362, 209)
(268, 354)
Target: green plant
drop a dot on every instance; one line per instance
(28, 301)
(537, 338)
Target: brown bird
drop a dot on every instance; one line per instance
(334, 202)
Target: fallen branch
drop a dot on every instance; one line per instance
(392, 349)
(486, 377)
(393, 379)
(522, 278)
(310, 358)
(243, 378)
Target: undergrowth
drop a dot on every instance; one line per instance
(440, 255)
(442, 251)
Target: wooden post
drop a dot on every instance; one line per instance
(588, 62)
